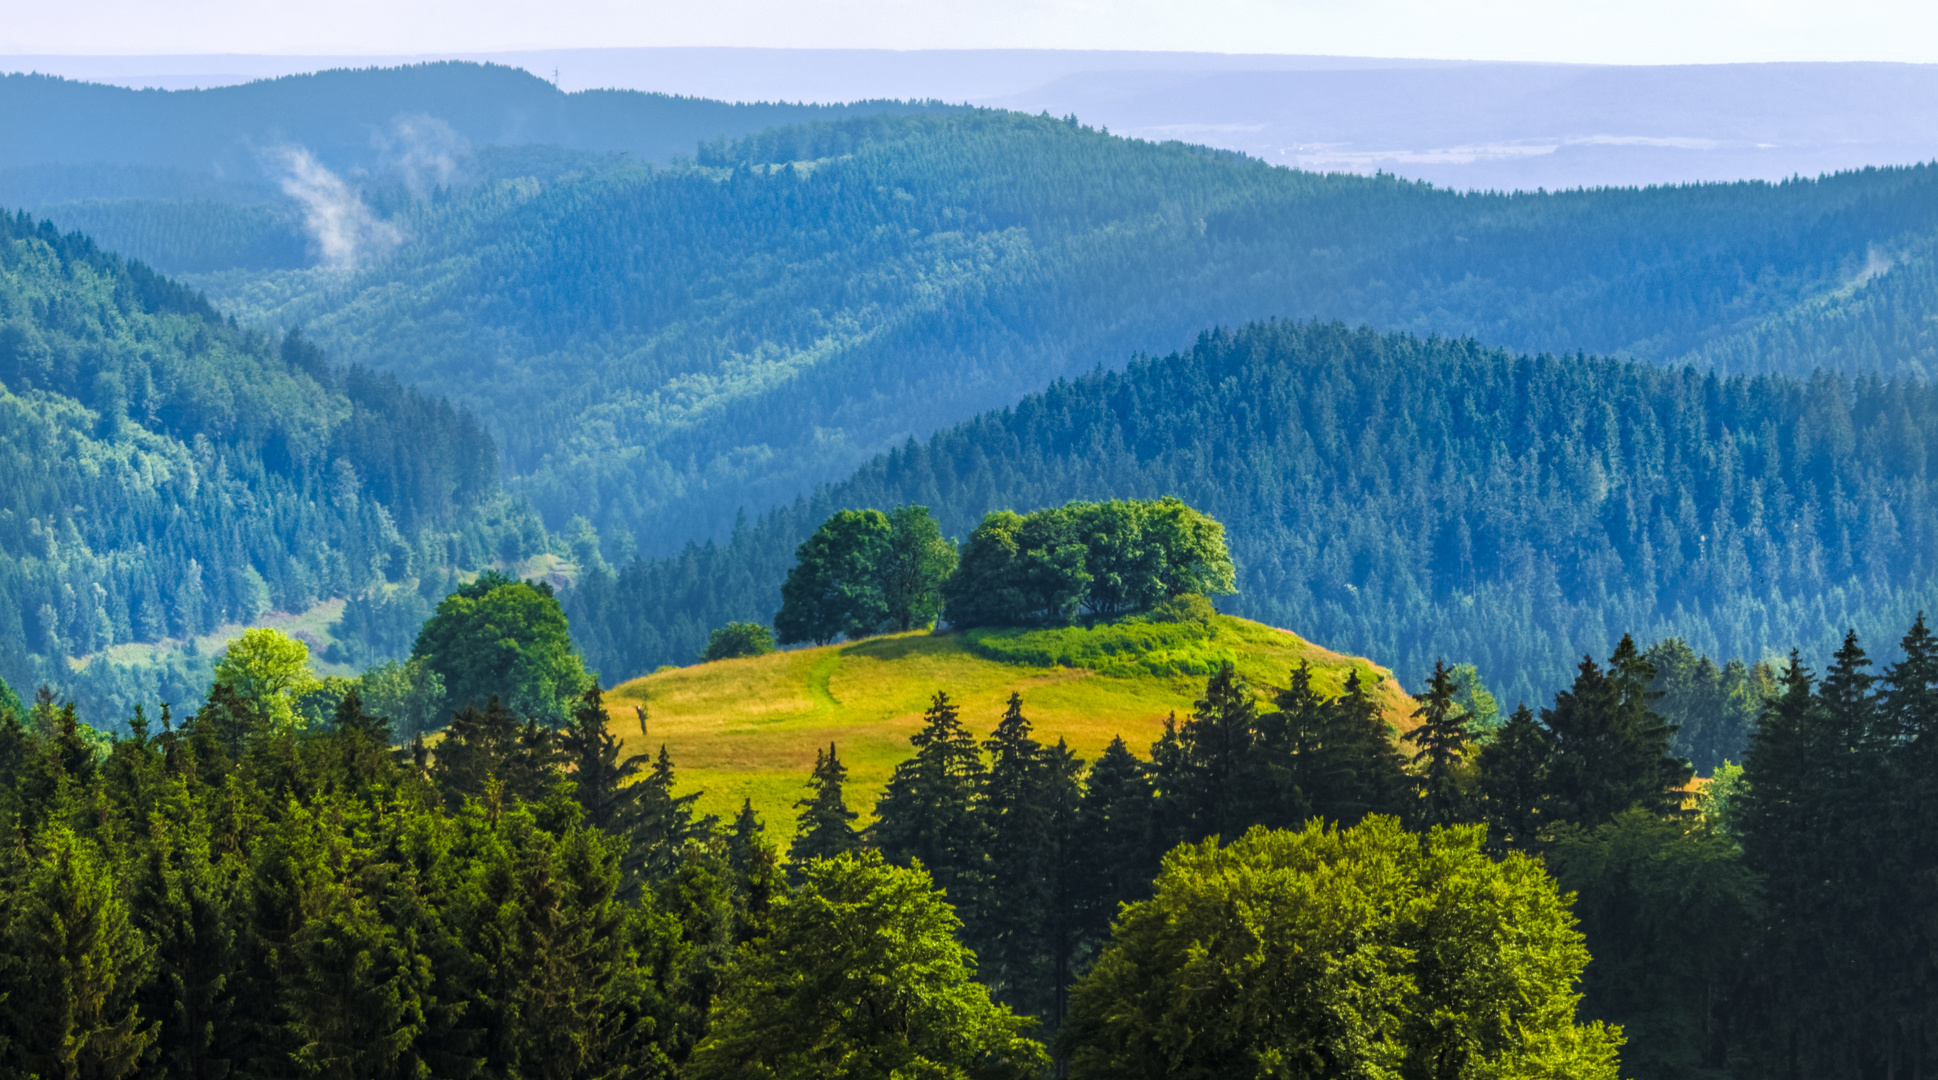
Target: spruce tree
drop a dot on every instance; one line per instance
(826, 825)
(73, 968)
(1611, 748)
(604, 782)
(1513, 781)
(1208, 775)
(1115, 853)
(1009, 933)
(929, 814)
(666, 821)
(1442, 737)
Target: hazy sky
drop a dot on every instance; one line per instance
(1595, 31)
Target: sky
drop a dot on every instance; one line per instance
(1578, 31)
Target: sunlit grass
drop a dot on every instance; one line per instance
(749, 728)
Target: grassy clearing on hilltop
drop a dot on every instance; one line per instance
(749, 728)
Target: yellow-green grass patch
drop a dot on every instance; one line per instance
(749, 728)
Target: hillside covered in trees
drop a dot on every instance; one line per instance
(1407, 499)
(163, 472)
(659, 349)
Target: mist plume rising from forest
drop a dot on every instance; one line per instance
(344, 230)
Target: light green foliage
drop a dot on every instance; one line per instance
(270, 670)
(10, 703)
(738, 639)
(508, 639)
(860, 978)
(1128, 647)
(1478, 707)
(1722, 797)
(1342, 953)
(410, 694)
(1184, 608)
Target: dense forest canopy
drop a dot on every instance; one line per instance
(1411, 499)
(660, 349)
(165, 472)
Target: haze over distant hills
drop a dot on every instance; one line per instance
(1484, 125)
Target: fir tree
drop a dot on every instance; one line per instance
(1513, 778)
(73, 968)
(826, 825)
(1009, 932)
(928, 813)
(1115, 853)
(1442, 737)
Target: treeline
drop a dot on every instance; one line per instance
(1409, 499)
(244, 893)
(165, 472)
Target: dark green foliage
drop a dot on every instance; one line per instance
(1669, 914)
(917, 562)
(73, 966)
(1594, 497)
(1611, 749)
(861, 977)
(491, 753)
(826, 827)
(232, 900)
(863, 572)
(1713, 709)
(1207, 771)
(930, 814)
(497, 638)
(1441, 739)
(737, 639)
(1110, 559)
(1513, 768)
(835, 587)
(1116, 850)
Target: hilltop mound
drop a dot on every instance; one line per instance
(749, 728)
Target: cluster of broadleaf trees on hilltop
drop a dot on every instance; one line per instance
(865, 571)
(268, 889)
(1409, 499)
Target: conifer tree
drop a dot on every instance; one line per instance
(1442, 738)
(1115, 853)
(603, 781)
(826, 825)
(666, 820)
(1513, 780)
(184, 904)
(1207, 774)
(491, 744)
(1009, 933)
(1611, 748)
(928, 813)
(73, 968)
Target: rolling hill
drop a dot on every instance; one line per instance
(749, 728)
(659, 349)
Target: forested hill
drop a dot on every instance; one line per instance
(163, 472)
(348, 119)
(658, 349)
(196, 181)
(1410, 499)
